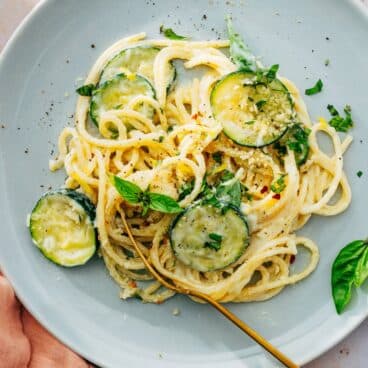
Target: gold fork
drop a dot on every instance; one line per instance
(226, 312)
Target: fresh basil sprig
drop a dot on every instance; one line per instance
(148, 200)
(349, 269)
(86, 90)
(170, 34)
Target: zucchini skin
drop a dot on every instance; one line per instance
(201, 203)
(138, 48)
(250, 74)
(94, 105)
(87, 206)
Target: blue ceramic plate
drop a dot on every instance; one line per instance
(81, 306)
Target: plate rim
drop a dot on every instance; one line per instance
(48, 324)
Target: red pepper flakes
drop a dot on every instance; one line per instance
(292, 259)
(276, 196)
(132, 284)
(195, 116)
(264, 189)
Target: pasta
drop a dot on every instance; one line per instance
(176, 146)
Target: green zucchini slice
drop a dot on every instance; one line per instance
(253, 112)
(117, 92)
(206, 238)
(135, 60)
(62, 227)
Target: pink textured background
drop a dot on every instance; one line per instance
(351, 352)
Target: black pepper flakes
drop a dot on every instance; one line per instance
(204, 17)
(93, 46)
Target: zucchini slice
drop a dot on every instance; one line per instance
(62, 227)
(117, 92)
(206, 239)
(253, 112)
(135, 60)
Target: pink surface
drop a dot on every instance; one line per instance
(24, 343)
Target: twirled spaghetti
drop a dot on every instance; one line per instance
(176, 146)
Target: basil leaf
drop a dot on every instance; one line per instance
(239, 51)
(361, 272)
(129, 191)
(229, 192)
(86, 90)
(315, 89)
(346, 270)
(163, 203)
(169, 33)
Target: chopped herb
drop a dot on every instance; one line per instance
(279, 185)
(260, 104)
(213, 245)
(86, 90)
(226, 175)
(244, 192)
(338, 122)
(250, 99)
(250, 122)
(217, 157)
(170, 128)
(327, 62)
(332, 110)
(216, 237)
(359, 173)
(215, 242)
(114, 132)
(186, 189)
(169, 33)
(315, 89)
(280, 148)
(271, 73)
(161, 138)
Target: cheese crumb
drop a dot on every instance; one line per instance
(176, 312)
